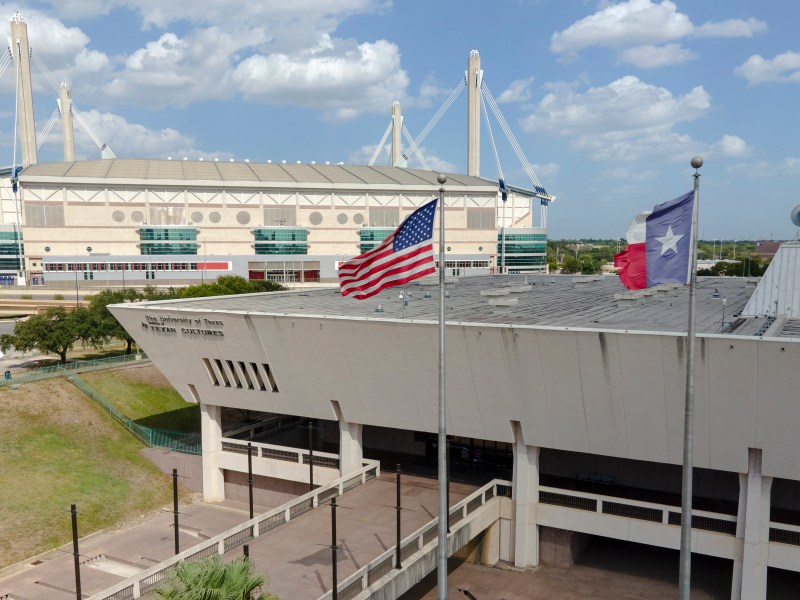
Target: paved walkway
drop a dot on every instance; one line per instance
(295, 556)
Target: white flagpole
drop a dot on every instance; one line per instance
(441, 558)
(685, 572)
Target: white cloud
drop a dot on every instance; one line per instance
(625, 104)
(634, 22)
(731, 146)
(340, 77)
(174, 71)
(91, 61)
(220, 50)
(781, 69)
(132, 140)
(518, 91)
(546, 170)
(792, 163)
(627, 118)
(429, 90)
(643, 26)
(649, 57)
(731, 28)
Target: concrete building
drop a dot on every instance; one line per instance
(572, 384)
(125, 221)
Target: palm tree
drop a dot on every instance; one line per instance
(211, 579)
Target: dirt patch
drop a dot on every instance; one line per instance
(146, 373)
(53, 400)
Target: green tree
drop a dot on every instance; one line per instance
(570, 264)
(106, 326)
(211, 579)
(229, 284)
(55, 331)
(589, 266)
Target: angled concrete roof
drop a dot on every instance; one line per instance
(564, 301)
(778, 292)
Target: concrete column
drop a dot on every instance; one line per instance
(490, 545)
(397, 132)
(351, 446)
(22, 69)
(474, 77)
(525, 496)
(750, 571)
(67, 132)
(211, 431)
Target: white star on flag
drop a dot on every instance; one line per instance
(669, 241)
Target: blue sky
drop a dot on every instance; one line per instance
(608, 100)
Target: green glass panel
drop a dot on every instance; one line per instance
(167, 248)
(11, 249)
(374, 235)
(281, 248)
(280, 235)
(167, 234)
(9, 264)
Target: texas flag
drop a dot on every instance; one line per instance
(659, 246)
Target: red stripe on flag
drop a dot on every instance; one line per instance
(372, 284)
(375, 267)
(632, 266)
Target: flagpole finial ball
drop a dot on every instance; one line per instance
(441, 178)
(697, 162)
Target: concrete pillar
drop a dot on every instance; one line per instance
(474, 78)
(211, 431)
(351, 446)
(351, 449)
(752, 527)
(397, 132)
(525, 497)
(22, 69)
(490, 545)
(67, 132)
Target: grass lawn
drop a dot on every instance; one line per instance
(58, 448)
(145, 396)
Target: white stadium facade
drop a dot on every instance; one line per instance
(572, 388)
(171, 222)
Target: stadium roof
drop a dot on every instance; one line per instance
(246, 173)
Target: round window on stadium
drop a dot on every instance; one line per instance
(118, 216)
(137, 216)
(358, 219)
(197, 217)
(341, 218)
(315, 218)
(215, 217)
(243, 217)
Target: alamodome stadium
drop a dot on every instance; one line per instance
(134, 222)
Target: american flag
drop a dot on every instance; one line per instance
(403, 256)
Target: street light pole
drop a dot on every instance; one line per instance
(441, 550)
(75, 268)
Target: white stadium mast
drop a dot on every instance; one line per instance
(478, 98)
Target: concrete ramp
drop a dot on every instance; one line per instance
(380, 580)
